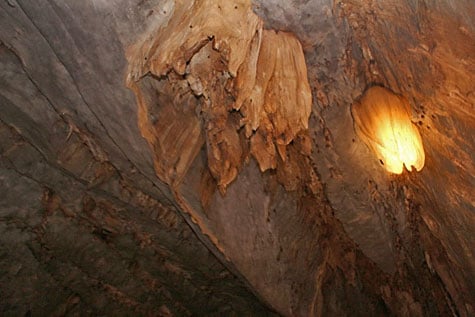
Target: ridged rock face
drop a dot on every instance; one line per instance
(184, 158)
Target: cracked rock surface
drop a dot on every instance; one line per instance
(210, 203)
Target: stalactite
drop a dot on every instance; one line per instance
(229, 74)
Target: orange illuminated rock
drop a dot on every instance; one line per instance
(382, 120)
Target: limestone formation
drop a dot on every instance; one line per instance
(201, 158)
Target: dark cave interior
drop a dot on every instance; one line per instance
(221, 158)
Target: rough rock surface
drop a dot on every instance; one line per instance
(93, 220)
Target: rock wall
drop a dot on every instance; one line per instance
(214, 185)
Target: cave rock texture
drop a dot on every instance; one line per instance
(200, 158)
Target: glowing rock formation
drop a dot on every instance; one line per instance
(382, 120)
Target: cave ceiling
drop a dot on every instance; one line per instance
(178, 158)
